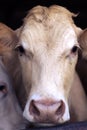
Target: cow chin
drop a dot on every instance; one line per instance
(42, 113)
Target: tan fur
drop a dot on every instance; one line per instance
(43, 18)
(40, 14)
(46, 33)
(77, 101)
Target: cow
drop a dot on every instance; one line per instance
(8, 40)
(46, 51)
(10, 111)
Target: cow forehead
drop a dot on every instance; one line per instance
(50, 30)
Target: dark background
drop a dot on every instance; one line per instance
(12, 12)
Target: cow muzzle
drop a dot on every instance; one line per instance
(45, 111)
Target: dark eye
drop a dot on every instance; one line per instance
(3, 89)
(74, 49)
(20, 49)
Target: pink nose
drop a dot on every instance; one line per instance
(44, 111)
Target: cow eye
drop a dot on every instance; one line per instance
(3, 89)
(74, 49)
(20, 49)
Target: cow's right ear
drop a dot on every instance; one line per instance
(83, 43)
(8, 39)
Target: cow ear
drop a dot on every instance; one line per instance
(83, 43)
(18, 31)
(8, 38)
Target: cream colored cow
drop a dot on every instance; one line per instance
(48, 52)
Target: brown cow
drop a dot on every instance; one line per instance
(48, 52)
(83, 41)
(8, 41)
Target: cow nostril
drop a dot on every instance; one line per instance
(33, 109)
(61, 109)
(46, 110)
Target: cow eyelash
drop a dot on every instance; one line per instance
(20, 49)
(75, 49)
(3, 88)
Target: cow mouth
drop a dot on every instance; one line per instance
(44, 124)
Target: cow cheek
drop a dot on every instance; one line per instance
(68, 79)
(26, 75)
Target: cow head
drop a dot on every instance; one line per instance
(8, 41)
(48, 51)
(8, 102)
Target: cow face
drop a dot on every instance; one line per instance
(10, 111)
(8, 41)
(48, 54)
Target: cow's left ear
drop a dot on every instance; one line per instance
(8, 39)
(83, 42)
